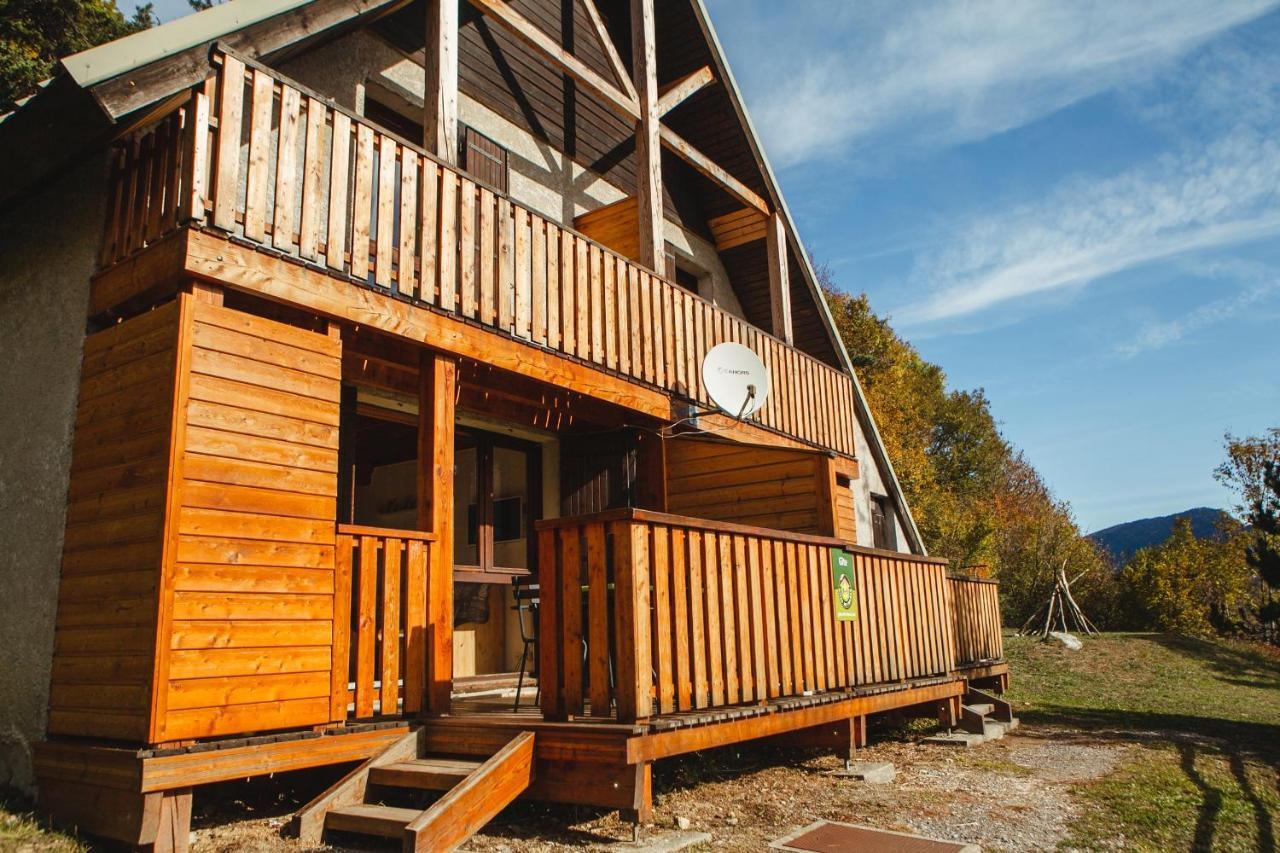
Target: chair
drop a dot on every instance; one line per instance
(526, 598)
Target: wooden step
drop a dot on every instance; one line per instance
(980, 708)
(428, 774)
(387, 821)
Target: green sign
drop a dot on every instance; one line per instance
(846, 588)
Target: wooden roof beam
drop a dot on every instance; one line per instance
(501, 13)
(675, 94)
(712, 170)
(615, 61)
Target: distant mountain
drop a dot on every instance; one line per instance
(1123, 540)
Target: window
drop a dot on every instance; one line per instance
(883, 523)
(497, 496)
(392, 119)
(483, 157)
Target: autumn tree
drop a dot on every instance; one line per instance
(1263, 553)
(35, 34)
(1195, 586)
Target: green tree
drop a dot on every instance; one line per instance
(1263, 553)
(1244, 470)
(35, 34)
(1193, 586)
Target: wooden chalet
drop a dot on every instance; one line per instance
(396, 314)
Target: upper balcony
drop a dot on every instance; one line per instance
(250, 157)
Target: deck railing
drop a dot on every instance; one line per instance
(260, 158)
(380, 622)
(647, 613)
(976, 609)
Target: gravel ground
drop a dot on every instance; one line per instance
(1012, 794)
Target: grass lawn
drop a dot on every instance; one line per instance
(1204, 716)
(21, 832)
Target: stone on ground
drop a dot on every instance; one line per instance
(955, 740)
(667, 842)
(872, 772)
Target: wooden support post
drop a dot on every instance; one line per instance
(438, 383)
(440, 102)
(633, 693)
(211, 294)
(173, 835)
(779, 281)
(648, 144)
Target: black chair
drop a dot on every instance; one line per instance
(525, 593)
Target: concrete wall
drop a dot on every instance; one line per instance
(47, 249)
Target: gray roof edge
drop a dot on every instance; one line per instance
(93, 66)
(863, 412)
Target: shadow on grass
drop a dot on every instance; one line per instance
(1238, 666)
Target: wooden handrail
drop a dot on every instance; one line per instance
(439, 238)
(385, 532)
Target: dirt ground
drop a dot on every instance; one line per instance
(1012, 795)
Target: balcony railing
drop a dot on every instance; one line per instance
(260, 158)
(976, 608)
(380, 622)
(675, 614)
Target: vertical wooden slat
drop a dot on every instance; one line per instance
(569, 593)
(714, 607)
(634, 664)
(313, 159)
(698, 632)
(479, 288)
(729, 619)
(415, 624)
(777, 561)
(759, 620)
(429, 232)
(389, 700)
(286, 168)
(821, 619)
(407, 266)
(448, 249)
(366, 626)
(551, 695)
(744, 618)
(554, 286)
(340, 659)
(523, 275)
(339, 180)
(647, 341)
(635, 322)
(582, 298)
(386, 231)
(568, 295)
(362, 202)
(256, 179)
(598, 621)
(506, 266)
(608, 272)
(226, 177)
(808, 636)
(136, 212)
(158, 181)
(798, 628)
(681, 617)
(622, 307)
(538, 280)
(660, 579)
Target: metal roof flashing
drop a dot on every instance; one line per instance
(93, 66)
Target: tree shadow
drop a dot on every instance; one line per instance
(1237, 666)
(1266, 836)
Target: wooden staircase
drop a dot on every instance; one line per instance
(474, 791)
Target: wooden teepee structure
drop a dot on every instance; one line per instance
(1060, 612)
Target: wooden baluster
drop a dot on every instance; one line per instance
(662, 628)
(698, 632)
(476, 277)
(550, 639)
(448, 253)
(570, 601)
(729, 619)
(778, 571)
(313, 160)
(554, 296)
(391, 577)
(366, 626)
(680, 617)
(362, 202)
(257, 178)
(286, 168)
(632, 583)
(386, 210)
(523, 292)
(429, 233)
(415, 624)
(341, 657)
(744, 618)
(598, 622)
(506, 266)
(226, 173)
(335, 250)
(407, 266)
(538, 280)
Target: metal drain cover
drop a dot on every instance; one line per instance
(826, 836)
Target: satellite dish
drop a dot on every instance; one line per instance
(736, 379)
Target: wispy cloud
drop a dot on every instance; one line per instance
(1226, 194)
(1158, 335)
(952, 71)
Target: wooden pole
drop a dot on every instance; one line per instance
(438, 384)
(779, 281)
(440, 67)
(648, 143)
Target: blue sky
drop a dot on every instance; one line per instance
(1075, 206)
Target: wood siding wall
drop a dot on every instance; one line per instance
(250, 590)
(105, 636)
(768, 487)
